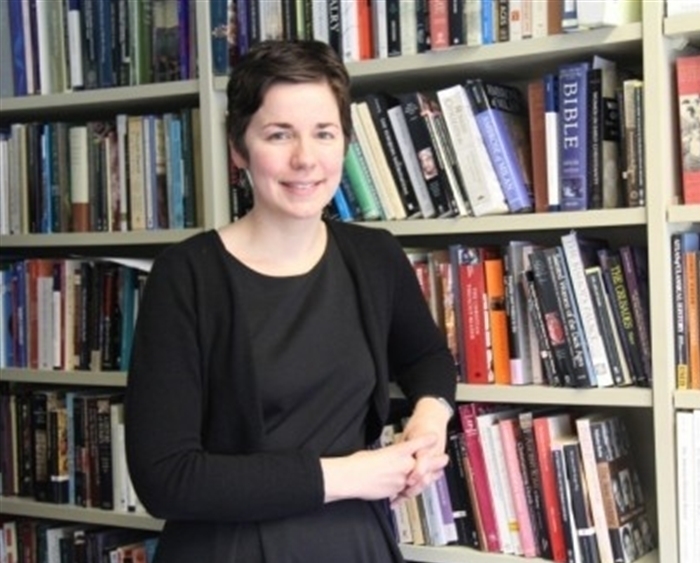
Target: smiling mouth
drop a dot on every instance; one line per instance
(301, 185)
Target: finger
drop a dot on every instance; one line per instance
(418, 443)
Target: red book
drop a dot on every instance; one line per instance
(475, 454)
(439, 24)
(547, 428)
(477, 362)
(688, 82)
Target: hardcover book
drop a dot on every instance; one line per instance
(688, 83)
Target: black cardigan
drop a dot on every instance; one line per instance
(193, 418)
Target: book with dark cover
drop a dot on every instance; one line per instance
(613, 275)
(553, 319)
(583, 520)
(501, 113)
(584, 374)
(378, 105)
(573, 128)
(433, 173)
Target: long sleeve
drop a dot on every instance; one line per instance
(181, 470)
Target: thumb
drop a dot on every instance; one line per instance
(425, 441)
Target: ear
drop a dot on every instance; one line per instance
(240, 162)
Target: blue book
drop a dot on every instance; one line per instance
(105, 68)
(218, 12)
(176, 201)
(573, 135)
(501, 115)
(19, 67)
(46, 180)
(341, 205)
(185, 40)
(487, 22)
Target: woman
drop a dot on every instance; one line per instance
(263, 350)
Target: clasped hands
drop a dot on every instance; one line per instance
(399, 471)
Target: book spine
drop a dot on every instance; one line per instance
(601, 373)
(552, 316)
(475, 455)
(500, 147)
(583, 374)
(573, 120)
(595, 137)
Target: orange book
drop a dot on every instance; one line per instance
(364, 24)
(692, 312)
(498, 319)
(688, 82)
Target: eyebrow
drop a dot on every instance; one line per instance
(283, 125)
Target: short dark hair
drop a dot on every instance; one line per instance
(292, 62)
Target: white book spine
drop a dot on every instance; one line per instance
(504, 484)
(484, 424)
(527, 17)
(483, 188)
(381, 32)
(386, 178)
(29, 55)
(123, 184)
(584, 303)
(551, 123)
(57, 325)
(407, 17)
(686, 486)
(350, 35)
(472, 22)
(78, 142)
(75, 49)
(696, 475)
(408, 154)
(319, 19)
(4, 186)
(43, 34)
(515, 20)
(14, 194)
(539, 18)
(595, 494)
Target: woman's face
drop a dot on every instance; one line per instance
(295, 150)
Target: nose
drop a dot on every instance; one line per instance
(303, 154)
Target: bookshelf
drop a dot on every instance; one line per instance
(655, 41)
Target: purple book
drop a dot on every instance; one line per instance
(501, 114)
(573, 136)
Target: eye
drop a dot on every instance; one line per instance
(326, 135)
(280, 135)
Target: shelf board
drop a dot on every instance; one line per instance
(539, 394)
(30, 508)
(683, 26)
(686, 399)
(515, 223)
(459, 554)
(165, 236)
(91, 378)
(544, 395)
(509, 61)
(122, 98)
(684, 213)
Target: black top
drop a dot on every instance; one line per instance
(316, 376)
(195, 430)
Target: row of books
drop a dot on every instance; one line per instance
(538, 483)
(66, 447)
(572, 315)
(478, 149)
(688, 484)
(63, 46)
(378, 29)
(68, 314)
(51, 541)
(133, 172)
(685, 271)
(688, 91)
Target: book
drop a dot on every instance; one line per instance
(477, 171)
(688, 85)
(573, 137)
(501, 114)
